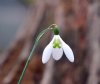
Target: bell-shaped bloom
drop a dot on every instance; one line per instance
(56, 48)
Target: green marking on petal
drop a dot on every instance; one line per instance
(57, 43)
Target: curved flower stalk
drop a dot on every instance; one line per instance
(54, 48)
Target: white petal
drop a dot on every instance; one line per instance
(67, 50)
(57, 53)
(56, 36)
(47, 52)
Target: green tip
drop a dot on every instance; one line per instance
(56, 30)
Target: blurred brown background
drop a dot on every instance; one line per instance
(22, 20)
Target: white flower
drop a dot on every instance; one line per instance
(55, 49)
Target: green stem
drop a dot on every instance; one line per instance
(31, 53)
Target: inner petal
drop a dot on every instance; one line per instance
(57, 53)
(56, 43)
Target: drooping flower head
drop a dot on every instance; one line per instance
(56, 48)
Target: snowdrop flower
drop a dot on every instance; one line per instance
(56, 48)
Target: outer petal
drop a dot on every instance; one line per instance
(68, 51)
(47, 52)
(57, 53)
